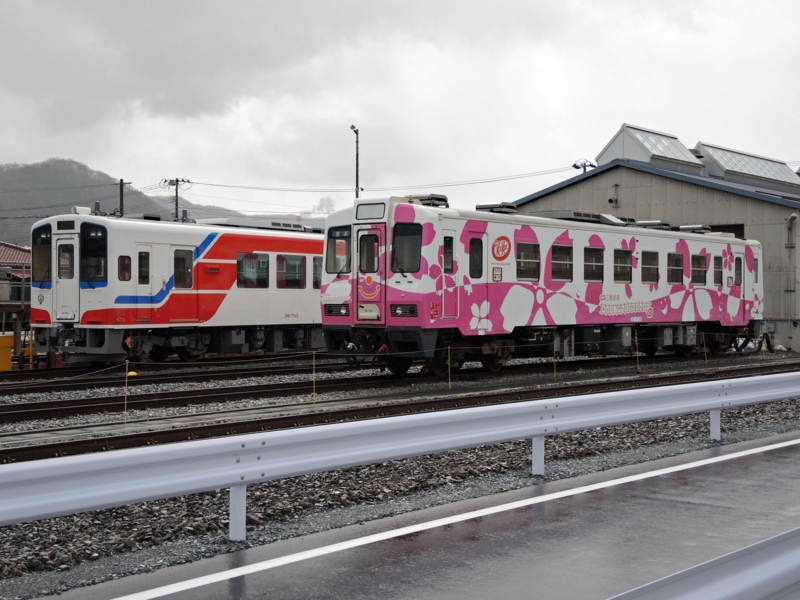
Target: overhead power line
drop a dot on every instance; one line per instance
(393, 188)
(50, 189)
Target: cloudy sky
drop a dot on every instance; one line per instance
(263, 94)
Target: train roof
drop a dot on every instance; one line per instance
(582, 220)
(140, 222)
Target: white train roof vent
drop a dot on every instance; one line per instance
(504, 208)
(654, 225)
(142, 216)
(251, 223)
(435, 200)
(585, 217)
(612, 220)
(695, 228)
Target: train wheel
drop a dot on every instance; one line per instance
(158, 354)
(492, 363)
(187, 356)
(438, 364)
(398, 365)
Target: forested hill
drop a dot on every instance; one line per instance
(54, 186)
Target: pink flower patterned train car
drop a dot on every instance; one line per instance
(413, 278)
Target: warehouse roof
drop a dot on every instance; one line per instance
(748, 190)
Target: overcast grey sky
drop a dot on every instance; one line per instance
(264, 93)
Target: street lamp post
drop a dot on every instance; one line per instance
(353, 127)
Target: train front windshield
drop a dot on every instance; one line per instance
(94, 252)
(337, 259)
(42, 249)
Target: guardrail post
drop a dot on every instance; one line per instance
(537, 455)
(716, 430)
(237, 526)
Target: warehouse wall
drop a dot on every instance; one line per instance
(645, 197)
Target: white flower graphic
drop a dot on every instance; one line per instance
(480, 317)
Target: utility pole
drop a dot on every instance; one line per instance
(121, 199)
(177, 183)
(353, 127)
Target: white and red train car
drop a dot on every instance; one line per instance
(419, 279)
(109, 288)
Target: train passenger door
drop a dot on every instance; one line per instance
(478, 301)
(449, 280)
(739, 284)
(144, 285)
(183, 306)
(67, 292)
(371, 275)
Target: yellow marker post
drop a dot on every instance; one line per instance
(125, 409)
(314, 376)
(705, 351)
(555, 377)
(449, 381)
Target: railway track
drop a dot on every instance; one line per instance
(328, 364)
(12, 377)
(220, 424)
(118, 379)
(60, 408)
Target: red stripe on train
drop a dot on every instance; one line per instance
(229, 245)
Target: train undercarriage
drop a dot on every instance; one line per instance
(115, 345)
(445, 350)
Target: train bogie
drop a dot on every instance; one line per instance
(425, 281)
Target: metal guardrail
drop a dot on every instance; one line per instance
(67, 485)
(768, 569)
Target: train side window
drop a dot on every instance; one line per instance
(124, 268)
(144, 268)
(675, 269)
(252, 270)
(593, 264)
(623, 272)
(698, 269)
(717, 270)
(316, 272)
(755, 270)
(476, 258)
(561, 265)
(66, 261)
(291, 272)
(368, 253)
(650, 267)
(448, 254)
(182, 262)
(737, 275)
(528, 261)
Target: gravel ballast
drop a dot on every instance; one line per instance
(57, 554)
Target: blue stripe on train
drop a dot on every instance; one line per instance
(162, 294)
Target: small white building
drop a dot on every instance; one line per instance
(651, 176)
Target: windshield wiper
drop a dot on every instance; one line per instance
(345, 266)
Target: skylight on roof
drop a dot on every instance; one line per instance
(662, 145)
(729, 160)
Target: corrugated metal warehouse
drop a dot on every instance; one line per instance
(652, 176)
